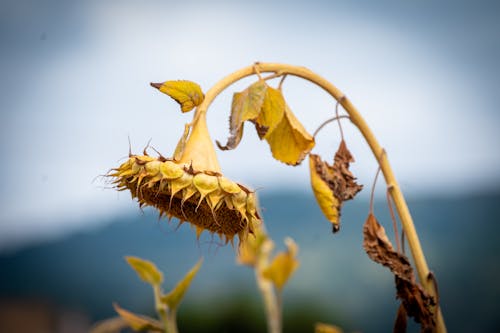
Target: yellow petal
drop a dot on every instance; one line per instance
(252, 204)
(215, 198)
(240, 203)
(205, 185)
(188, 94)
(153, 168)
(171, 170)
(228, 185)
(180, 183)
(188, 192)
(289, 141)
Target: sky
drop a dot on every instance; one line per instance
(75, 86)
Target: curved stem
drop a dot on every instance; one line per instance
(326, 122)
(377, 150)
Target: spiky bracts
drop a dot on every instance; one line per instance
(206, 199)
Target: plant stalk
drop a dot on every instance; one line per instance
(171, 321)
(390, 179)
(271, 301)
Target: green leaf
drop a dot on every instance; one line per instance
(146, 270)
(273, 109)
(138, 322)
(174, 297)
(187, 93)
(246, 105)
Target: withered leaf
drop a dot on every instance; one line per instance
(283, 265)
(333, 184)
(400, 323)
(416, 301)
(246, 105)
(273, 109)
(344, 185)
(187, 93)
(320, 173)
(179, 149)
(289, 141)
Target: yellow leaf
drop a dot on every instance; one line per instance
(174, 297)
(146, 270)
(250, 248)
(138, 322)
(246, 105)
(283, 265)
(290, 142)
(272, 112)
(188, 94)
(326, 328)
(327, 201)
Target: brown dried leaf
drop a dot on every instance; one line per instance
(344, 184)
(333, 184)
(290, 142)
(320, 173)
(246, 105)
(400, 323)
(416, 301)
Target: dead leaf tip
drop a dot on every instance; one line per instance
(156, 85)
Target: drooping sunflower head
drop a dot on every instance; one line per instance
(191, 187)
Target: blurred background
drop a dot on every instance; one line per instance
(75, 86)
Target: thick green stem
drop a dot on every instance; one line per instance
(377, 150)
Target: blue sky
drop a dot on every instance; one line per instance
(75, 85)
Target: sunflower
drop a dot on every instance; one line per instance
(191, 187)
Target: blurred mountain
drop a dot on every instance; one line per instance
(85, 272)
